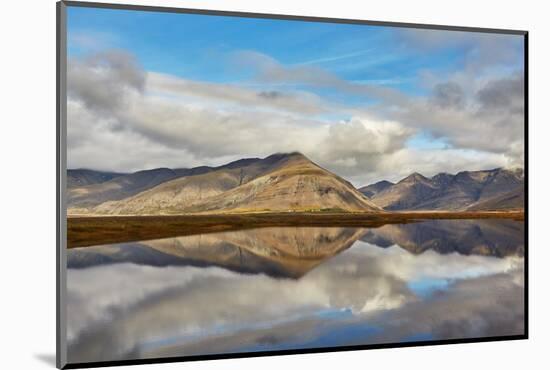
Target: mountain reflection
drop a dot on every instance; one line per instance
(275, 251)
(293, 251)
(220, 293)
(497, 238)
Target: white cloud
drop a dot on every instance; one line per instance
(234, 96)
(123, 118)
(481, 51)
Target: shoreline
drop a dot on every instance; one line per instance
(92, 230)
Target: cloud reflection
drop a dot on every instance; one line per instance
(365, 294)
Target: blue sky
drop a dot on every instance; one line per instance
(193, 46)
(352, 68)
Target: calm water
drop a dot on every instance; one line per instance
(295, 287)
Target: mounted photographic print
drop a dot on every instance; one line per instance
(235, 184)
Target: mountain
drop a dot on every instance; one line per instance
(514, 199)
(373, 189)
(127, 185)
(280, 182)
(84, 177)
(119, 187)
(297, 184)
(181, 192)
(449, 192)
(406, 194)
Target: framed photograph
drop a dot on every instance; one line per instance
(234, 184)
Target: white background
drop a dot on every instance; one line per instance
(27, 133)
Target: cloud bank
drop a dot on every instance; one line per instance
(122, 117)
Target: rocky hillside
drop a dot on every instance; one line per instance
(83, 177)
(297, 185)
(373, 189)
(451, 192)
(280, 182)
(514, 199)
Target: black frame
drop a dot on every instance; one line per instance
(61, 184)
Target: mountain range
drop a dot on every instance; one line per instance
(494, 189)
(279, 183)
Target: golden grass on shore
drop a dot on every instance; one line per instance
(94, 230)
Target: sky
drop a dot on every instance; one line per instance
(148, 90)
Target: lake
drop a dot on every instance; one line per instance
(283, 288)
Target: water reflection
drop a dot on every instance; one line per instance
(279, 288)
(485, 237)
(278, 252)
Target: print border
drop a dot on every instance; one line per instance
(61, 156)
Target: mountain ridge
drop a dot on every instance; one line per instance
(279, 182)
(445, 191)
(84, 176)
(284, 182)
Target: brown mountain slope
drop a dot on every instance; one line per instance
(299, 185)
(373, 189)
(84, 177)
(447, 192)
(281, 182)
(87, 194)
(405, 194)
(118, 188)
(180, 193)
(514, 199)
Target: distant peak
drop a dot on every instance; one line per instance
(371, 189)
(291, 154)
(153, 170)
(442, 177)
(280, 156)
(240, 162)
(415, 176)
